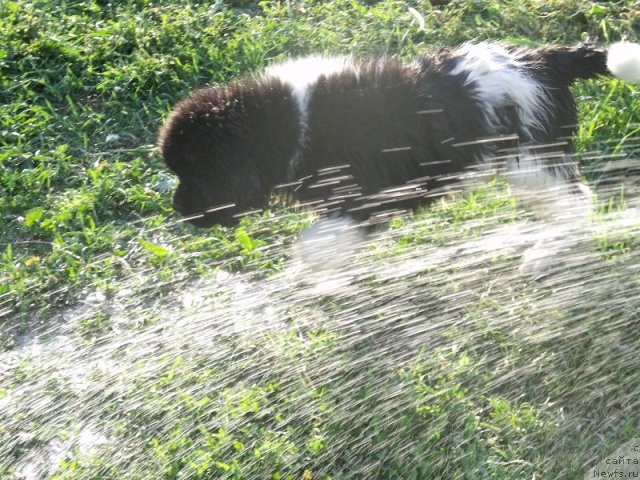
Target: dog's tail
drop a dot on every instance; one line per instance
(621, 60)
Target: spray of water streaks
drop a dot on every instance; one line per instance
(469, 341)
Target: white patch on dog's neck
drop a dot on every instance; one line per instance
(302, 74)
(500, 80)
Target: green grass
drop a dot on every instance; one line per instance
(85, 86)
(85, 207)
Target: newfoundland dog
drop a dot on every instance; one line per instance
(364, 137)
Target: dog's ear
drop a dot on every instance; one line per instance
(230, 146)
(191, 129)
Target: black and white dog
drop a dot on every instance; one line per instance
(364, 137)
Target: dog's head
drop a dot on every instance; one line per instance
(229, 146)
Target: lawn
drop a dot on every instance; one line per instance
(133, 345)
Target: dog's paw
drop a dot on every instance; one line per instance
(540, 261)
(330, 244)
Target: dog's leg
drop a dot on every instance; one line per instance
(330, 244)
(547, 182)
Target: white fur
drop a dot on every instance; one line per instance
(527, 170)
(550, 195)
(623, 61)
(500, 80)
(301, 75)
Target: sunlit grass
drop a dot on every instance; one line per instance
(435, 362)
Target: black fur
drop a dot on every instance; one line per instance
(391, 137)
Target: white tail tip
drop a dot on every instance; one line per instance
(623, 61)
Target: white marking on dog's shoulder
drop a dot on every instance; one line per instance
(499, 78)
(301, 75)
